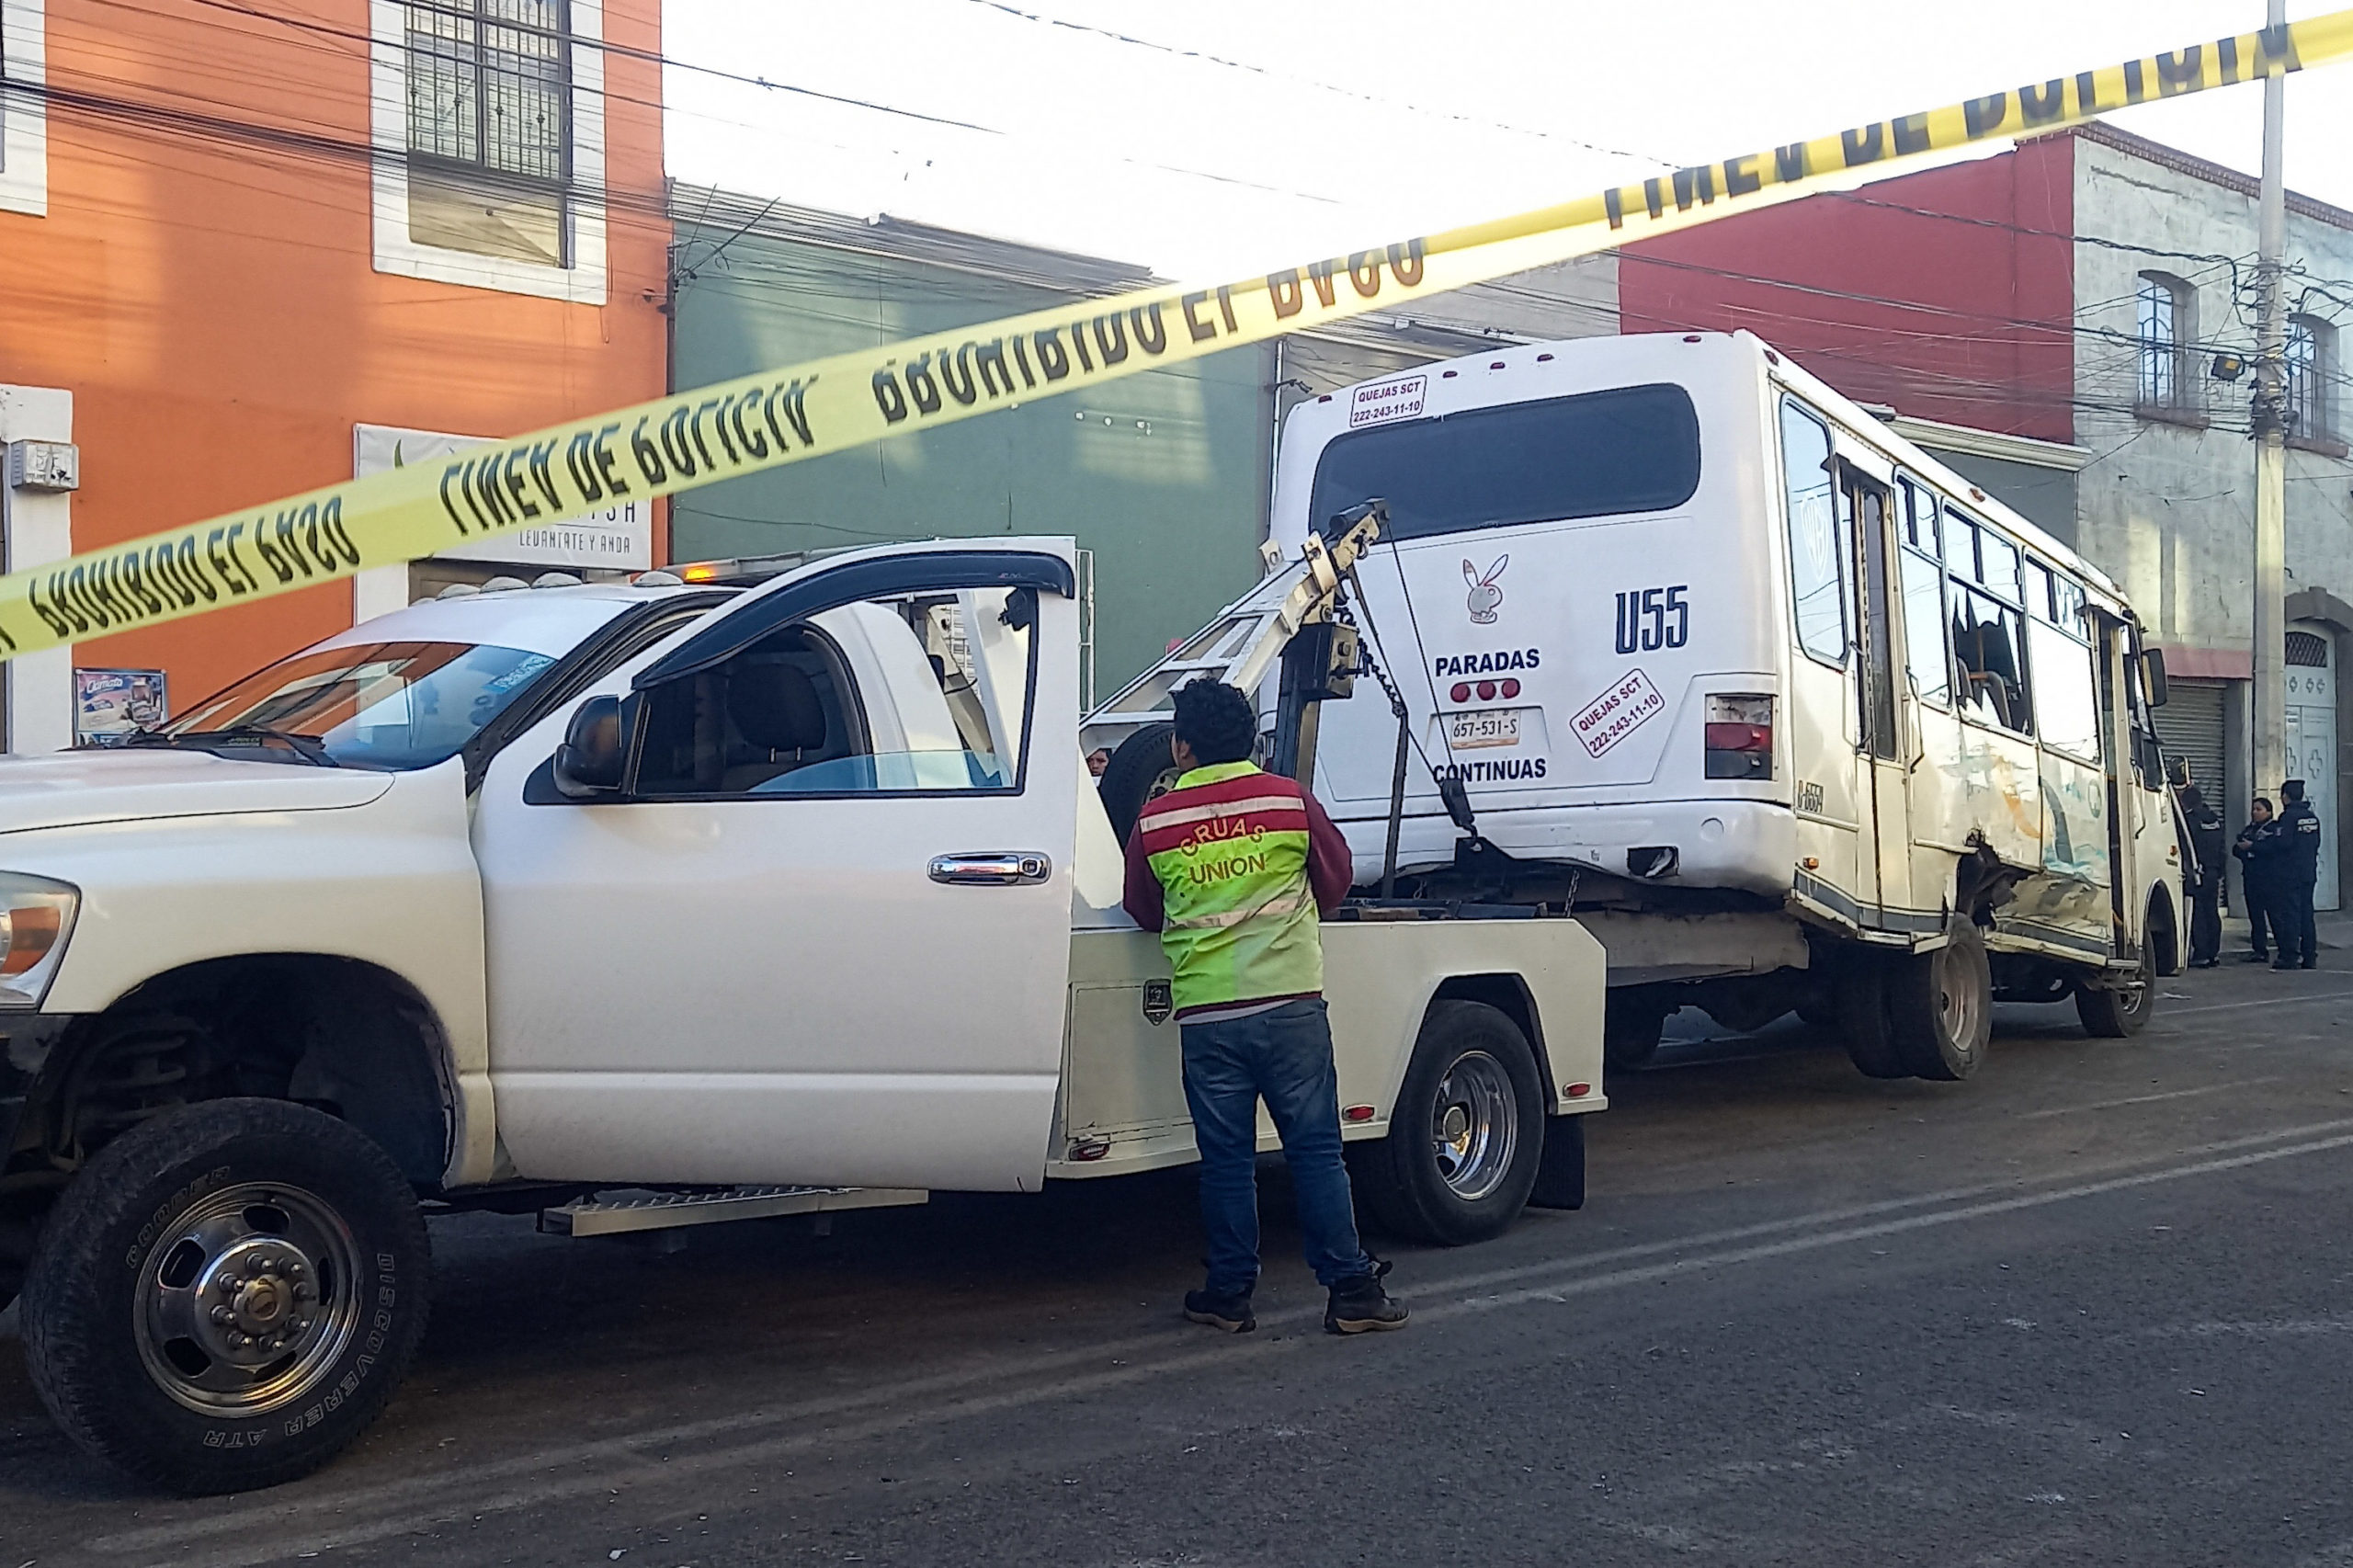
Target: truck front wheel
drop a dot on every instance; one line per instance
(226, 1295)
(1466, 1136)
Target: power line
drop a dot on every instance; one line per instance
(1319, 85)
(654, 57)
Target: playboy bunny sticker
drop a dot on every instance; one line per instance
(1486, 596)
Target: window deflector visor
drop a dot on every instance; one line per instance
(798, 599)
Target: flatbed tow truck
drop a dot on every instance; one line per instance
(639, 907)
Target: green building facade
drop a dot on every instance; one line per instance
(1163, 478)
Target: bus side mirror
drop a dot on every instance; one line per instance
(594, 750)
(2152, 673)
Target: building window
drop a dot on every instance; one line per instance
(489, 127)
(2311, 367)
(24, 113)
(2167, 329)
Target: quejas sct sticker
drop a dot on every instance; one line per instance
(700, 436)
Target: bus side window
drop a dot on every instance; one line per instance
(1928, 652)
(1924, 628)
(1986, 637)
(1919, 515)
(1817, 560)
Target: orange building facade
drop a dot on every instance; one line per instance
(244, 255)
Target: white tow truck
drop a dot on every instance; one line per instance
(641, 906)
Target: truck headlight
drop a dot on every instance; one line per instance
(36, 918)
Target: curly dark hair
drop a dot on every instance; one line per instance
(1216, 720)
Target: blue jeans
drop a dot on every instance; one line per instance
(1283, 1056)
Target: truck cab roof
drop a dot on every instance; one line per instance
(538, 620)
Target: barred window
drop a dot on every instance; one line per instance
(490, 125)
(2165, 334)
(2311, 366)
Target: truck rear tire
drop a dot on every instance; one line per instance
(1466, 1137)
(1940, 1006)
(226, 1295)
(2119, 1007)
(1141, 768)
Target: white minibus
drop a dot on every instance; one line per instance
(1791, 715)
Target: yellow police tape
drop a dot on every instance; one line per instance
(720, 432)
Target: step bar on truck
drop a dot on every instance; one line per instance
(602, 1216)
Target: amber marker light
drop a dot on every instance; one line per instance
(36, 918)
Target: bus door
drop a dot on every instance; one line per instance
(1883, 700)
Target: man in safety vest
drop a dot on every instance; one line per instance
(1233, 867)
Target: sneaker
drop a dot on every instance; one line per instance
(2257, 957)
(1361, 1306)
(1228, 1311)
(2285, 964)
(2309, 963)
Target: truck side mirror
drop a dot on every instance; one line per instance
(2152, 674)
(594, 750)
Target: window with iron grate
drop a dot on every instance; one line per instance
(489, 85)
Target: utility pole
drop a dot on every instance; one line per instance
(2270, 762)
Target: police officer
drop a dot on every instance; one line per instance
(2202, 877)
(2256, 877)
(2296, 854)
(1233, 867)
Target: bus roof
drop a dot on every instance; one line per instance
(1488, 378)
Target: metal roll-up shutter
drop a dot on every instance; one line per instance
(2190, 726)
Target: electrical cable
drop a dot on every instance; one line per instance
(1360, 97)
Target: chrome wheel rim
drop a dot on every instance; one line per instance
(247, 1300)
(1957, 998)
(1475, 1126)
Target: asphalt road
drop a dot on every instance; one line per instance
(2094, 1306)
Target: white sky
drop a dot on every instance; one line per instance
(1446, 112)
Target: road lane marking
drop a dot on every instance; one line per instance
(2145, 1099)
(1883, 1228)
(753, 1437)
(2303, 1000)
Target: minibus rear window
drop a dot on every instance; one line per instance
(1627, 449)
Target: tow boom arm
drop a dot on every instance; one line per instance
(1241, 646)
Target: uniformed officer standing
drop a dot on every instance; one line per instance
(1233, 867)
(2295, 854)
(2203, 878)
(2256, 877)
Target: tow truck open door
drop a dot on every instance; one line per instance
(833, 850)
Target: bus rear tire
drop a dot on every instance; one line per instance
(1467, 1135)
(1940, 1006)
(1863, 1021)
(1631, 1025)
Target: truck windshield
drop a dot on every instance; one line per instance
(1626, 449)
(387, 706)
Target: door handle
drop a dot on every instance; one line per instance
(992, 869)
